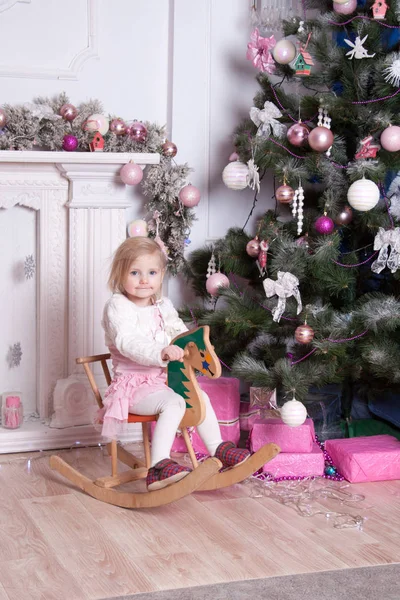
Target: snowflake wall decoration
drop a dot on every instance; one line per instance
(29, 266)
(392, 72)
(14, 355)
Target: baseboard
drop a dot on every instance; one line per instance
(36, 436)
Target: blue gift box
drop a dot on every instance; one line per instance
(324, 407)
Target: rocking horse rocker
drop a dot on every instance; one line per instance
(199, 356)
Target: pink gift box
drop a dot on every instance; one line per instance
(297, 464)
(368, 458)
(224, 395)
(247, 416)
(289, 439)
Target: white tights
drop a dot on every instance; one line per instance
(171, 407)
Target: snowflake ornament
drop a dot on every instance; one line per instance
(14, 355)
(357, 49)
(392, 72)
(29, 266)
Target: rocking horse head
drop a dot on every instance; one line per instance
(199, 356)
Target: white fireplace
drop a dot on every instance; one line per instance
(66, 214)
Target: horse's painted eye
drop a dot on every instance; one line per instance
(202, 354)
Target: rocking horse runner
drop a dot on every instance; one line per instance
(138, 329)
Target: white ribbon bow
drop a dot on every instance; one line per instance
(285, 286)
(265, 120)
(386, 241)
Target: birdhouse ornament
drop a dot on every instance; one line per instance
(97, 143)
(304, 61)
(379, 9)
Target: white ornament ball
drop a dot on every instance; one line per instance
(363, 195)
(215, 282)
(137, 228)
(97, 122)
(284, 52)
(390, 138)
(293, 413)
(235, 175)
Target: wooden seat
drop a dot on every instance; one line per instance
(199, 356)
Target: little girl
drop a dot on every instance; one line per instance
(139, 326)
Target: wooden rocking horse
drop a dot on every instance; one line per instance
(199, 356)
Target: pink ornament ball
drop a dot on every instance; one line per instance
(137, 228)
(345, 8)
(118, 126)
(169, 149)
(68, 112)
(70, 143)
(320, 139)
(234, 156)
(189, 196)
(324, 225)
(253, 248)
(3, 118)
(284, 194)
(390, 138)
(284, 52)
(138, 132)
(216, 282)
(298, 134)
(131, 174)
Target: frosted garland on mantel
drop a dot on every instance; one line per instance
(44, 125)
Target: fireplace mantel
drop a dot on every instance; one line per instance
(81, 211)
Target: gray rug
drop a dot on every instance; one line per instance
(367, 583)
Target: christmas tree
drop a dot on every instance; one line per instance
(313, 292)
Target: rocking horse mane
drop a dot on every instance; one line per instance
(200, 356)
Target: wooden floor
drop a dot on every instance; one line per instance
(57, 543)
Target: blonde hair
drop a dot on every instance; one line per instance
(126, 254)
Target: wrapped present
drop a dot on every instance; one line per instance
(247, 416)
(369, 458)
(297, 464)
(324, 407)
(263, 400)
(224, 395)
(289, 439)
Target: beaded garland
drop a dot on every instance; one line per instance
(330, 471)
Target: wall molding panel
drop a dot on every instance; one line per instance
(89, 50)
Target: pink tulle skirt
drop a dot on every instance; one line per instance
(121, 396)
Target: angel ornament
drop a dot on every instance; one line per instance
(285, 286)
(358, 51)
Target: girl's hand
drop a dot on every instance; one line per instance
(172, 353)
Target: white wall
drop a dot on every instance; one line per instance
(176, 62)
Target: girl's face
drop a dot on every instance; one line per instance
(144, 279)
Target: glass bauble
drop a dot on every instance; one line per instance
(284, 194)
(298, 134)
